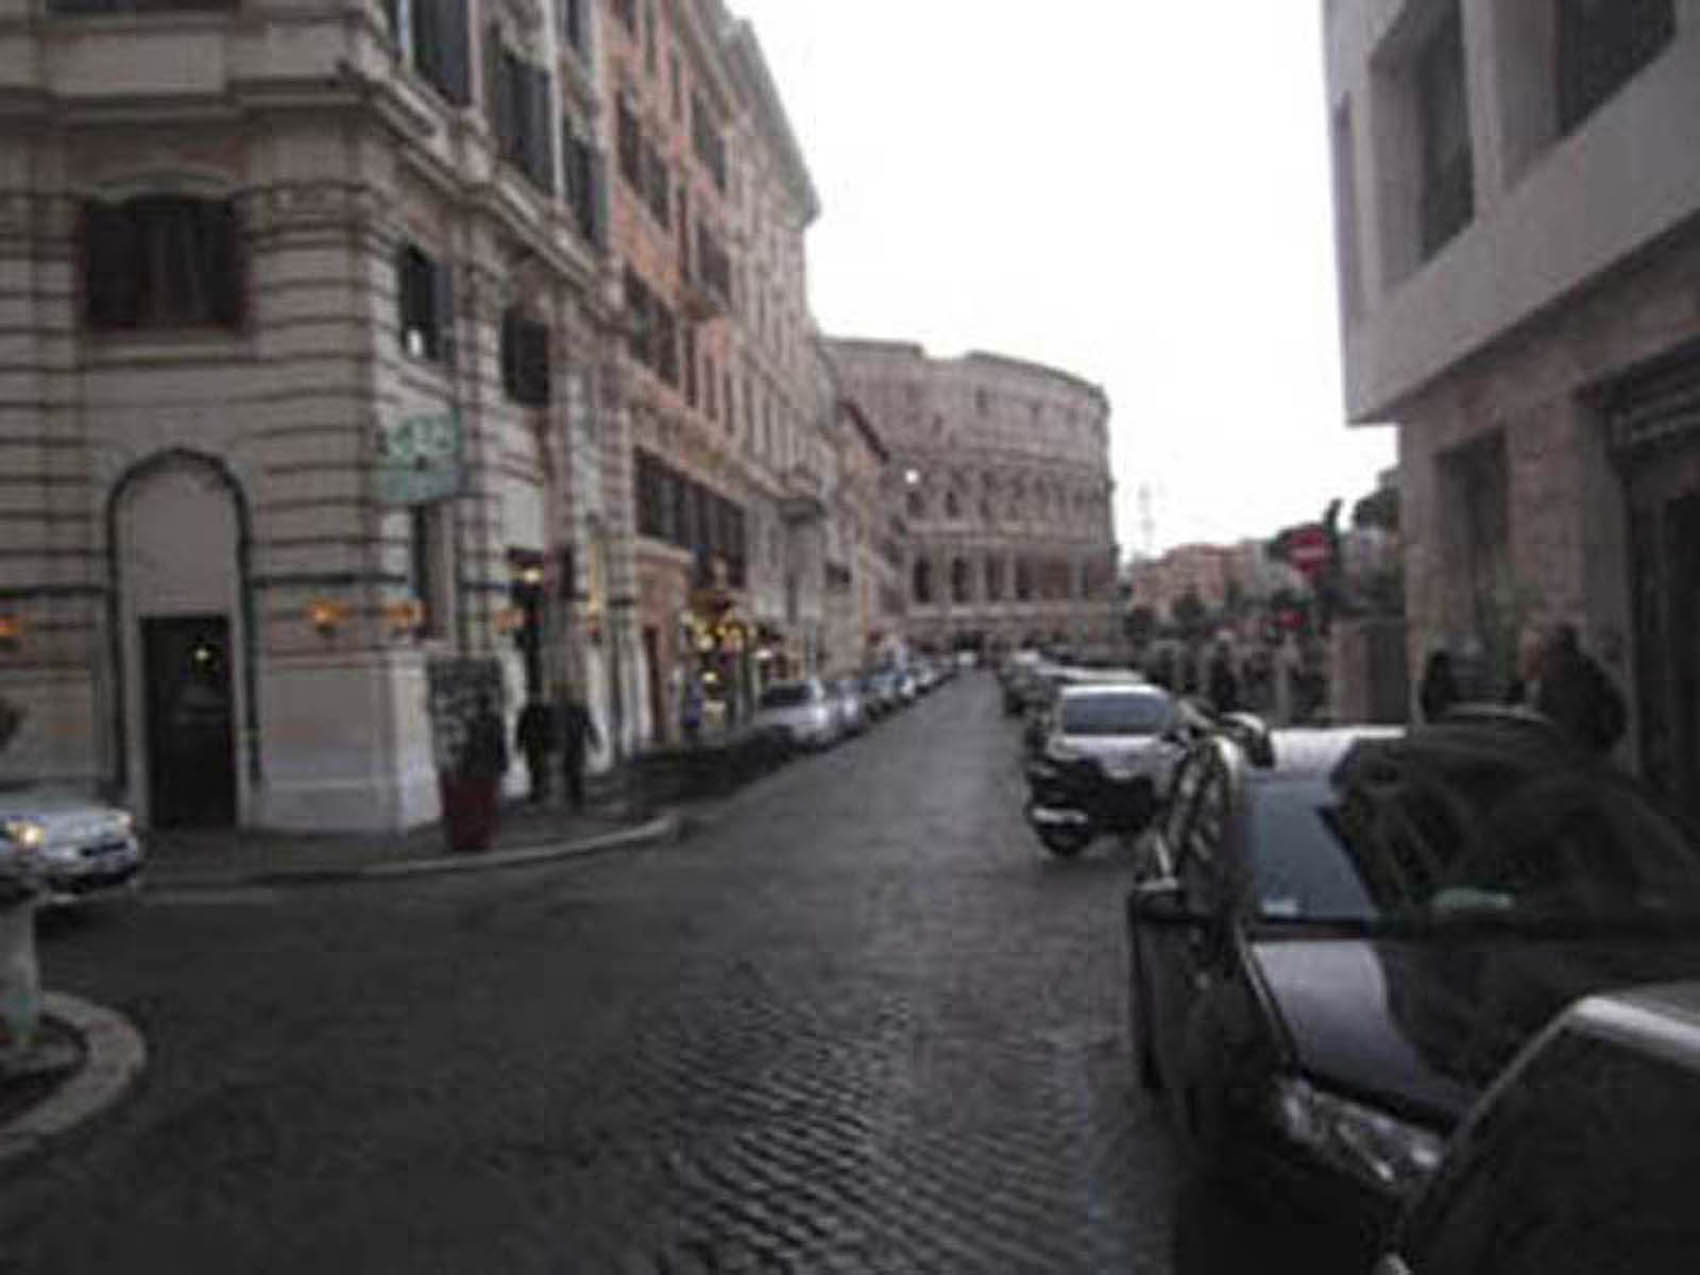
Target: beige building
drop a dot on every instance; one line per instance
(727, 408)
(300, 319)
(1001, 471)
(1517, 189)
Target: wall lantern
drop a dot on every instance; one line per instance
(531, 576)
(406, 617)
(327, 616)
(11, 632)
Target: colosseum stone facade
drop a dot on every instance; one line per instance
(1001, 470)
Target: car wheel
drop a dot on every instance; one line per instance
(1065, 844)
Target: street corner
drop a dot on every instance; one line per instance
(90, 1059)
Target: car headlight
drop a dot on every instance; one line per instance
(25, 833)
(1388, 1152)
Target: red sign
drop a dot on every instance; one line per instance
(1307, 549)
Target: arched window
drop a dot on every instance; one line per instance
(923, 582)
(917, 504)
(1023, 580)
(994, 579)
(952, 504)
(961, 589)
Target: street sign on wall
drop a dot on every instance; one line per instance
(419, 458)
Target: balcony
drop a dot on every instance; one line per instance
(802, 495)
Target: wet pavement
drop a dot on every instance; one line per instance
(858, 1021)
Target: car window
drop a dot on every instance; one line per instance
(1305, 846)
(1586, 1164)
(1115, 713)
(786, 695)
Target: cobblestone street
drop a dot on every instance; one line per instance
(856, 1022)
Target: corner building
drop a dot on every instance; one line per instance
(1000, 470)
(1517, 196)
(304, 382)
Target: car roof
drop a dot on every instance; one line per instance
(1140, 690)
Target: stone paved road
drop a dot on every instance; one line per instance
(859, 1023)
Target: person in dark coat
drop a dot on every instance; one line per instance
(535, 737)
(578, 736)
(1224, 683)
(1439, 689)
(1577, 694)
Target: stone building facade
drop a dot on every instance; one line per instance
(248, 269)
(726, 411)
(1000, 470)
(1518, 198)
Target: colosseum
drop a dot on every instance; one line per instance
(1001, 471)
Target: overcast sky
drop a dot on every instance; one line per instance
(1136, 192)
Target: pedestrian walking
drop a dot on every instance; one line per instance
(1576, 693)
(536, 738)
(690, 709)
(1223, 682)
(1438, 691)
(578, 735)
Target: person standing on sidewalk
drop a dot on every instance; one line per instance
(535, 736)
(485, 766)
(578, 736)
(1439, 689)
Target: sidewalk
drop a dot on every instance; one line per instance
(526, 833)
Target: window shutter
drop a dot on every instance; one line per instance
(455, 36)
(597, 167)
(112, 262)
(222, 240)
(443, 312)
(541, 132)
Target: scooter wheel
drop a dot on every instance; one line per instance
(1065, 845)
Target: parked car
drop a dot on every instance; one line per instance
(86, 848)
(1581, 1158)
(883, 690)
(802, 710)
(1339, 937)
(1102, 763)
(848, 705)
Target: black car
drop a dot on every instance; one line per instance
(1581, 1158)
(1335, 951)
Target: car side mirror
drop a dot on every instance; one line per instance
(1159, 901)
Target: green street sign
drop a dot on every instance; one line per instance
(419, 459)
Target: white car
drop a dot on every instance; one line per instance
(850, 705)
(79, 848)
(801, 710)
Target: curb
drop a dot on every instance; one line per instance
(667, 827)
(116, 1057)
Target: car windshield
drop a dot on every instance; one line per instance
(1114, 713)
(1480, 842)
(786, 695)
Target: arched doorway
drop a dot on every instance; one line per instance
(181, 629)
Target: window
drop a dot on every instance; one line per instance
(667, 345)
(654, 336)
(676, 74)
(626, 12)
(162, 261)
(711, 403)
(922, 581)
(1448, 179)
(525, 359)
(1116, 713)
(1023, 580)
(629, 143)
(583, 182)
(714, 266)
(423, 575)
(650, 37)
(518, 100)
(425, 298)
(575, 24)
(708, 142)
(994, 579)
(961, 590)
(952, 504)
(690, 364)
(441, 45)
(982, 402)
(726, 398)
(1601, 45)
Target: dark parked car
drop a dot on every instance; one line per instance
(1583, 1156)
(1334, 953)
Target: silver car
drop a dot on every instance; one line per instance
(801, 710)
(79, 848)
(850, 705)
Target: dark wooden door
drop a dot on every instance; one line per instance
(190, 721)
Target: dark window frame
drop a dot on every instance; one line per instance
(1600, 48)
(425, 303)
(1440, 80)
(163, 261)
(525, 345)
